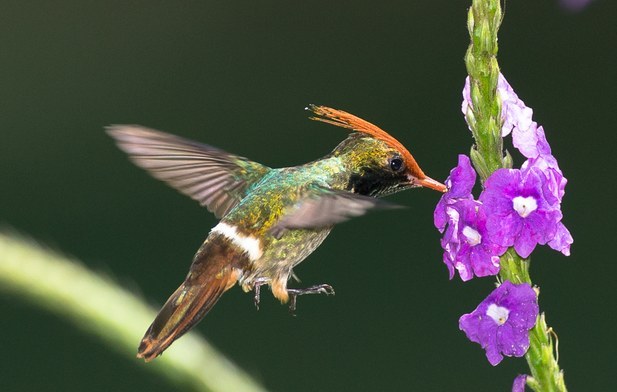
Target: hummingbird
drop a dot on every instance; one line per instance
(270, 219)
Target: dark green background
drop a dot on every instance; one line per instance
(237, 74)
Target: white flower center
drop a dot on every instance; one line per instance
(524, 205)
(499, 314)
(472, 236)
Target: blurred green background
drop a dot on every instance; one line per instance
(237, 74)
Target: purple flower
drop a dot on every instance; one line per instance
(518, 212)
(460, 183)
(461, 180)
(553, 188)
(522, 207)
(514, 112)
(501, 322)
(546, 162)
(516, 116)
(519, 383)
(465, 242)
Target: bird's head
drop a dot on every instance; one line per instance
(379, 164)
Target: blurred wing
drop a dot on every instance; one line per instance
(216, 179)
(322, 207)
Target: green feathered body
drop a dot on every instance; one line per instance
(261, 209)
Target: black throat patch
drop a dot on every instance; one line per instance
(370, 182)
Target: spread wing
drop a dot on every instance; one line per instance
(216, 179)
(322, 207)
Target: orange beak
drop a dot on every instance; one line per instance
(428, 182)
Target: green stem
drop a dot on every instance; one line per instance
(484, 119)
(99, 306)
(484, 115)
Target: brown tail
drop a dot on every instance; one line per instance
(214, 271)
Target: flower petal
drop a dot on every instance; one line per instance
(562, 240)
(519, 383)
(509, 336)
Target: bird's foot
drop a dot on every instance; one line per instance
(257, 287)
(318, 289)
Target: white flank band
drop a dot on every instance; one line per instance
(247, 243)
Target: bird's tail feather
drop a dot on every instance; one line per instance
(213, 272)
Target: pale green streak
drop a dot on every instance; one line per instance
(100, 306)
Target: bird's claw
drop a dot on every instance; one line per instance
(318, 289)
(257, 287)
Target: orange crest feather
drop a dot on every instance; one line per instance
(349, 121)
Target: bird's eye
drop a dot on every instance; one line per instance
(396, 164)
